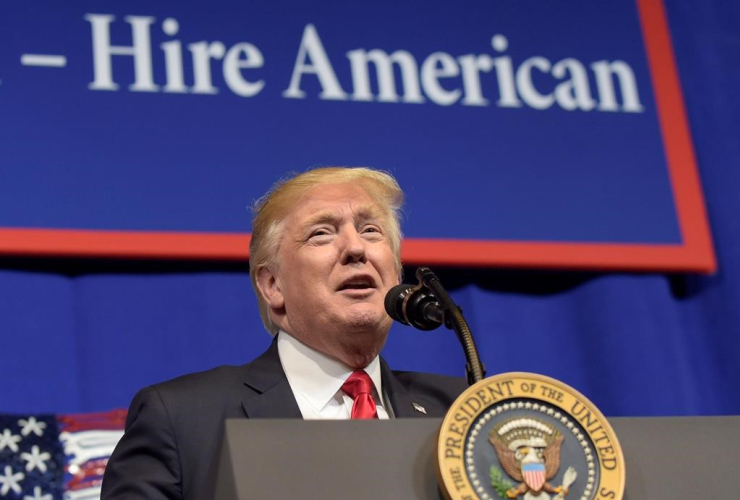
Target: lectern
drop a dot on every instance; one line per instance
(666, 458)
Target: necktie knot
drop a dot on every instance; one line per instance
(359, 387)
(358, 383)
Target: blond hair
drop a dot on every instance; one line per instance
(272, 209)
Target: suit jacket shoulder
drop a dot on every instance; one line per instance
(173, 434)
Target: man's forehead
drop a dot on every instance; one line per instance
(361, 211)
(325, 203)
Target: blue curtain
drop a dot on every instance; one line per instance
(80, 336)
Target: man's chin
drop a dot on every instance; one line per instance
(369, 322)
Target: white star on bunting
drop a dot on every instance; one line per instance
(35, 459)
(10, 440)
(32, 425)
(10, 481)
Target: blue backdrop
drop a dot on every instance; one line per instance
(82, 335)
(156, 120)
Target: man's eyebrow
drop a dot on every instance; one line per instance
(321, 218)
(367, 212)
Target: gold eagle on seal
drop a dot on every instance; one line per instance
(529, 452)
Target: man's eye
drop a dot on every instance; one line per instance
(320, 232)
(371, 229)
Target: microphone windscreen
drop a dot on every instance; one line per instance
(394, 302)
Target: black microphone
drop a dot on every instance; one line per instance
(414, 305)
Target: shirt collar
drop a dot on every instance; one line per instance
(316, 376)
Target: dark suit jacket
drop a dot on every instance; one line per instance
(174, 429)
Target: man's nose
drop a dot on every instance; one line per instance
(354, 246)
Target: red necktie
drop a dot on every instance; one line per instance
(359, 387)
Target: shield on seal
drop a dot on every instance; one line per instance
(534, 475)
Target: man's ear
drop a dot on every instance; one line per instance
(270, 288)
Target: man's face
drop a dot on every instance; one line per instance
(334, 268)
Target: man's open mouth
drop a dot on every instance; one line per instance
(358, 283)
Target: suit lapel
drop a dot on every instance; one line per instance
(268, 393)
(403, 402)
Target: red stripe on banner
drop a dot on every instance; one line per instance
(679, 149)
(416, 251)
(124, 244)
(604, 257)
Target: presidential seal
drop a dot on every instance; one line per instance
(528, 437)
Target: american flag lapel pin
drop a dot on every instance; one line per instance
(419, 408)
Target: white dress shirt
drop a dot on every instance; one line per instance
(316, 381)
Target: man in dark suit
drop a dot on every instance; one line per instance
(325, 250)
